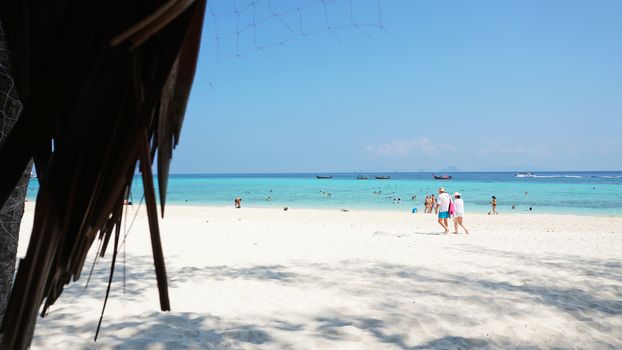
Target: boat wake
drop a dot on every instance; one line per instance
(559, 176)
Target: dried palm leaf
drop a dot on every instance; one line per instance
(104, 87)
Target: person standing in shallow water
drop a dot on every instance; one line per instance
(429, 205)
(459, 215)
(493, 204)
(442, 208)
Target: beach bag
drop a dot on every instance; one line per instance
(452, 208)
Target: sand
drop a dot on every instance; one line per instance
(255, 278)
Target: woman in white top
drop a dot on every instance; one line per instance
(459, 212)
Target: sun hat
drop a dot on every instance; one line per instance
(457, 194)
(441, 189)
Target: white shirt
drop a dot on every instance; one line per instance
(459, 204)
(443, 200)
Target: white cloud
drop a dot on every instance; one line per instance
(492, 148)
(402, 148)
(608, 145)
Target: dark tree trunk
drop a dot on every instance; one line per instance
(12, 211)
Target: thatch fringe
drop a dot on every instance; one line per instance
(104, 85)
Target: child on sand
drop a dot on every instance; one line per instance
(459, 212)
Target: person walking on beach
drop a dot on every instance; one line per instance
(442, 208)
(493, 204)
(459, 212)
(238, 202)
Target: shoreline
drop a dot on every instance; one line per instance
(177, 206)
(390, 211)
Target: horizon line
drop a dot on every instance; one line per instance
(385, 172)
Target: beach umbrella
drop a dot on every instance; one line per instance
(104, 85)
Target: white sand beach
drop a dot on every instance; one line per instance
(325, 279)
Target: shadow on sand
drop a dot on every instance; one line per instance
(391, 290)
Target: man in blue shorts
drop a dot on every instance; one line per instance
(442, 208)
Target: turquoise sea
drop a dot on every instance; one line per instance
(548, 192)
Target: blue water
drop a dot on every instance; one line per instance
(550, 192)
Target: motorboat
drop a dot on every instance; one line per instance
(525, 175)
(383, 177)
(361, 177)
(323, 177)
(442, 177)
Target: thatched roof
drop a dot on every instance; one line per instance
(104, 85)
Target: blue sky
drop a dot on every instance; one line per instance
(399, 85)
